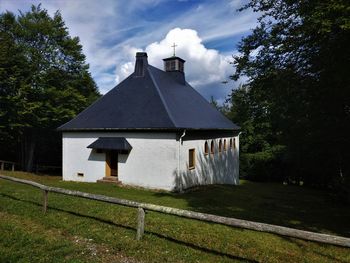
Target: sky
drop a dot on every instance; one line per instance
(111, 32)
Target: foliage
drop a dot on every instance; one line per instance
(167, 238)
(44, 80)
(298, 89)
(264, 166)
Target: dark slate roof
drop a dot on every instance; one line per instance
(111, 143)
(150, 99)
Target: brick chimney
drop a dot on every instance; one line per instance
(141, 64)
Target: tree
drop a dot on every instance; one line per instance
(297, 62)
(44, 81)
(259, 151)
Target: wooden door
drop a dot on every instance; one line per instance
(112, 163)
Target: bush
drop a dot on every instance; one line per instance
(263, 166)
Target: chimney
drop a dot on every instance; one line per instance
(141, 64)
(175, 67)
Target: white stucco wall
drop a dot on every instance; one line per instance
(151, 163)
(218, 168)
(157, 160)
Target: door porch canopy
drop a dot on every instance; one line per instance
(111, 144)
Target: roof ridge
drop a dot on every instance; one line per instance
(161, 96)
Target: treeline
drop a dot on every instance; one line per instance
(44, 82)
(294, 109)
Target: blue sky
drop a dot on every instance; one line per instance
(111, 32)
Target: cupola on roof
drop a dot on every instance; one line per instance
(174, 64)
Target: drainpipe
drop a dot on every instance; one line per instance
(179, 157)
(238, 150)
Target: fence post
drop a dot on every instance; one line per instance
(45, 193)
(140, 223)
(13, 167)
(2, 166)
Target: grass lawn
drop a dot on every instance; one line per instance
(80, 230)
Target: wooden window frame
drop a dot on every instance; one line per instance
(206, 148)
(212, 148)
(172, 65)
(181, 66)
(191, 154)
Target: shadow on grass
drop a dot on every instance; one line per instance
(101, 220)
(301, 245)
(271, 203)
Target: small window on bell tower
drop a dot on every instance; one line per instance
(172, 65)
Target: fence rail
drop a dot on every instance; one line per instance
(279, 230)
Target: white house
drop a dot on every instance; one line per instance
(152, 130)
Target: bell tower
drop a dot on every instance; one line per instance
(174, 63)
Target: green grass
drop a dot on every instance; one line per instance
(80, 230)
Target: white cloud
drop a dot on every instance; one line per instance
(203, 66)
(112, 31)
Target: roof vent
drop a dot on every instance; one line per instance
(141, 64)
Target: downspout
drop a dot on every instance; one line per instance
(178, 159)
(238, 150)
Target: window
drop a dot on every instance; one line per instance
(80, 174)
(212, 147)
(224, 144)
(191, 159)
(170, 65)
(234, 143)
(206, 148)
(220, 146)
(181, 66)
(231, 143)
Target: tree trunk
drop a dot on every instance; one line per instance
(28, 149)
(30, 155)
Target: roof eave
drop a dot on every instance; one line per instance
(146, 129)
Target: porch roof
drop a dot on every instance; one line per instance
(111, 143)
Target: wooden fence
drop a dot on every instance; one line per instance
(279, 230)
(2, 165)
